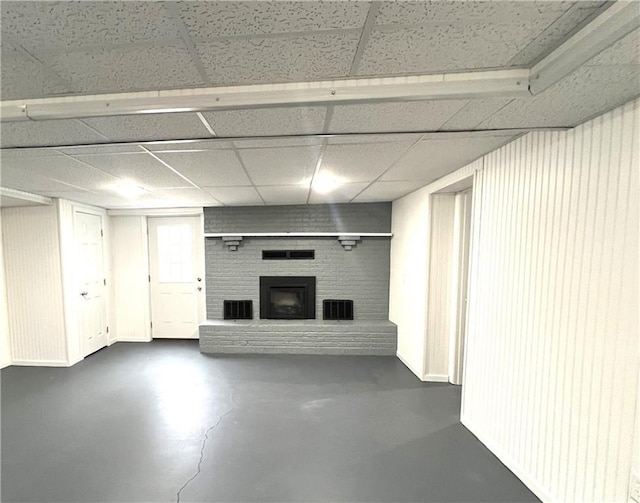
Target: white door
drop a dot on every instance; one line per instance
(92, 308)
(177, 276)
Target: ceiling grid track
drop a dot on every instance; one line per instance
(173, 11)
(388, 169)
(93, 130)
(246, 172)
(206, 123)
(364, 36)
(54, 75)
(317, 169)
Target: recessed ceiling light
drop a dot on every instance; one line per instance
(128, 189)
(327, 182)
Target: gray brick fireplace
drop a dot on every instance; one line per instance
(345, 260)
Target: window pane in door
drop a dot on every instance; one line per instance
(175, 253)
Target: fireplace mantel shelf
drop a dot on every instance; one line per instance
(293, 234)
(347, 239)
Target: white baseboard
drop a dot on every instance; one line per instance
(5, 364)
(535, 487)
(133, 340)
(409, 366)
(41, 363)
(436, 378)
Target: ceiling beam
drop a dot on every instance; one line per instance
(469, 85)
(614, 23)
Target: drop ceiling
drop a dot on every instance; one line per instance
(273, 154)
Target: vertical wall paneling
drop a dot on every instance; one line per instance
(5, 347)
(34, 285)
(551, 367)
(440, 289)
(130, 265)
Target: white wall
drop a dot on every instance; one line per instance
(5, 347)
(130, 259)
(410, 249)
(551, 367)
(34, 285)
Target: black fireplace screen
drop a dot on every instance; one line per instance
(287, 297)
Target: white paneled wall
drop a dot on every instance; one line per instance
(440, 286)
(5, 347)
(34, 285)
(551, 369)
(130, 257)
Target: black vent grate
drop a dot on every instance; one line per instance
(337, 309)
(288, 254)
(238, 309)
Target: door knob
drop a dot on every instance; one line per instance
(199, 279)
(199, 288)
(84, 294)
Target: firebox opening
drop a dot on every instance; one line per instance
(287, 297)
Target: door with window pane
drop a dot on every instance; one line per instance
(177, 280)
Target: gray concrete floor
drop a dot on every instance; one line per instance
(144, 422)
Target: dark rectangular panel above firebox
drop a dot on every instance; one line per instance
(287, 297)
(288, 254)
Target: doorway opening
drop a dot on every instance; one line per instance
(450, 233)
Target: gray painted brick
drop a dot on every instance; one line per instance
(361, 275)
(347, 218)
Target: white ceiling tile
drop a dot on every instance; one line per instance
(125, 68)
(413, 12)
(37, 25)
(279, 142)
(141, 169)
(372, 138)
(387, 191)
(342, 194)
(69, 193)
(280, 166)
(149, 127)
(15, 178)
(625, 51)
(305, 57)
(394, 116)
(112, 201)
(23, 77)
(360, 162)
(284, 194)
(59, 168)
(440, 48)
(474, 112)
(585, 93)
(235, 196)
(47, 133)
(185, 197)
(100, 149)
(193, 145)
(206, 20)
(429, 160)
(267, 121)
(7, 153)
(557, 32)
(212, 168)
